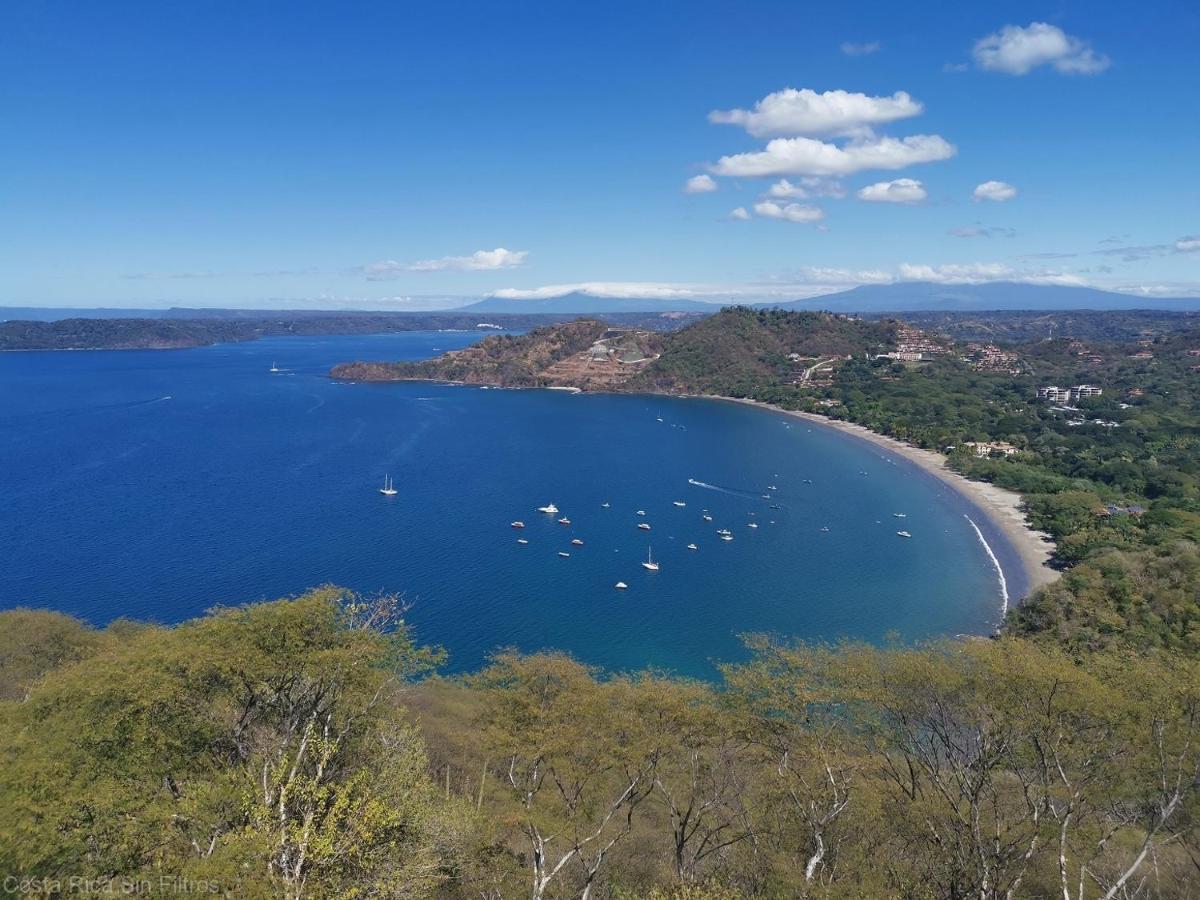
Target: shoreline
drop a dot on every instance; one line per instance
(1004, 508)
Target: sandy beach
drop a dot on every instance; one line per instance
(1003, 507)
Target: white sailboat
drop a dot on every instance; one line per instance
(650, 564)
(275, 368)
(388, 490)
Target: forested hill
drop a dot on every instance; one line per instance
(734, 350)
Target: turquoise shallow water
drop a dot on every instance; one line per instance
(157, 484)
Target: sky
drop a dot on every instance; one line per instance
(406, 156)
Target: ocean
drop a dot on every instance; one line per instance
(157, 484)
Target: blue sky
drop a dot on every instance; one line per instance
(393, 155)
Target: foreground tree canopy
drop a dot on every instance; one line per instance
(295, 748)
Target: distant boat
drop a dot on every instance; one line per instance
(564, 521)
(563, 553)
(727, 537)
(771, 487)
(275, 368)
(643, 526)
(900, 515)
(620, 585)
(604, 504)
(693, 547)
(387, 490)
(776, 506)
(808, 481)
(679, 503)
(903, 534)
(548, 508)
(751, 524)
(577, 542)
(659, 418)
(694, 481)
(518, 524)
(650, 564)
(522, 541)
(824, 527)
(724, 531)
(707, 517)
(641, 512)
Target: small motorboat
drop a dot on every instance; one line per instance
(824, 527)
(727, 537)
(693, 547)
(564, 521)
(563, 553)
(904, 534)
(771, 487)
(900, 515)
(604, 505)
(678, 503)
(577, 542)
(548, 508)
(707, 517)
(522, 541)
(518, 524)
(641, 512)
(724, 531)
(643, 526)
(620, 585)
(751, 524)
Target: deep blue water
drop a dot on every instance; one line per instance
(155, 484)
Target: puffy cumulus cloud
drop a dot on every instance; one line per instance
(806, 156)
(1016, 51)
(996, 191)
(740, 214)
(902, 190)
(700, 184)
(809, 186)
(790, 212)
(1188, 244)
(805, 112)
(864, 49)
(479, 261)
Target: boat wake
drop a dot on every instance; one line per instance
(995, 562)
(752, 495)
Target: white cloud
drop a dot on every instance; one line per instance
(805, 112)
(740, 214)
(479, 261)
(865, 49)
(978, 273)
(808, 187)
(1188, 244)
(791, 212)
(1016, 51)
(616, 289)
(902, 190)
(700, 184)
(997, 191)
(806, 156)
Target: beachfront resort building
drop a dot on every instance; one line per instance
(987, 448)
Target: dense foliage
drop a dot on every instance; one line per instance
(282, 749)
